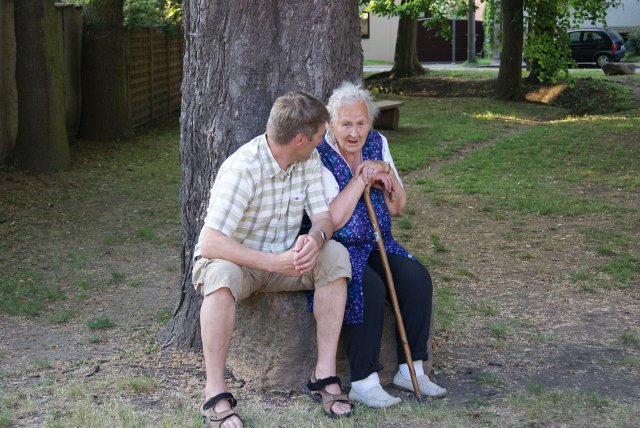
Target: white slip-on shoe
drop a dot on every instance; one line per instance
(375, 397)
(427, 387)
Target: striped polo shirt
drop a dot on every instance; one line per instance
(254, 202)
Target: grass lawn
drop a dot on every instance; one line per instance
(526, 215)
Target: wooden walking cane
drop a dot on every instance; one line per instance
(392, 290)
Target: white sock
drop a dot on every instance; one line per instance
(417, 366)
(363, 385)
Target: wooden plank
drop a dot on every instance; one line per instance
(389, 114)
(388, 104)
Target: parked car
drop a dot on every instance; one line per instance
(596, 45)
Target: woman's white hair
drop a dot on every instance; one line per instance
(348, 93)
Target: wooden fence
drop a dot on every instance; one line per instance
(154, 73)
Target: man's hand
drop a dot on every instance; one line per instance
(284, 263)
(307, 248)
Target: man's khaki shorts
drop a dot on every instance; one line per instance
(211, 275)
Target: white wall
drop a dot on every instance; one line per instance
(627, 15)
(381, 44)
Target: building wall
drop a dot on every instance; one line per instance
(627, 15)
(622, 18)
(381, 44)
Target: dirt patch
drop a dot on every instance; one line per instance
(431, 86)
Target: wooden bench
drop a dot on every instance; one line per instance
(389, 114)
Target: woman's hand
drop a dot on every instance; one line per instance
(371, 168)
(377, 174)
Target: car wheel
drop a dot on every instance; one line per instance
(602, 59)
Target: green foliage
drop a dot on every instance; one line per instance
(546, 45)
(410, 8)
(152, 13)
(146, 13)
(490, 15)
(633, 42)
(437, 11)
(547, 42)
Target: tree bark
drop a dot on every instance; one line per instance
(105, 111)
(235, 65)
(71, 46)
(41, 143)
(406, 63)
(509, 85)
(471, 31)
(8, 89)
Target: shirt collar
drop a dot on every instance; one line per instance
(267, 159)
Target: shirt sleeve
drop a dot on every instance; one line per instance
(230, 196)
(386, 156)
(315, 201)
(330, 185)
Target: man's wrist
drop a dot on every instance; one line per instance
(320, 236)
(323, 237)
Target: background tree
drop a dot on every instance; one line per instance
(41, 142)
(406, 61)
(8, 89)
(236, 64)
(471, 31)
(509, 84)
(547, 45)
(152, 13)
(105, 111)
(405, 57)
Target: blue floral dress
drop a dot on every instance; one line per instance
(358, 235)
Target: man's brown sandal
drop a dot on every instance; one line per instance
(215, 420)
(317, 390)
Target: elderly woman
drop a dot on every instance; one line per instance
(355, 156)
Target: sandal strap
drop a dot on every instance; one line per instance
(213, 400)
(219, 418)
(328, 400)
(321, 383)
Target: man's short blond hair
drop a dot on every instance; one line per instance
(294, 113)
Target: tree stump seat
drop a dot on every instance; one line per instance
(618, 69)
(389, 114)
(274, 343)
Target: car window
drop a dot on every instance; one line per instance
(593, 37)
(574, 37)
(614, 35)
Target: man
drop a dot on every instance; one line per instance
(250, 243)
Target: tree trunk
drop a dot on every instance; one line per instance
(8, 89)
(41, 142)
(235, 65)
(71, 45)
(509, 86)
(406, 62)
(471, 31)
(105, 111)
